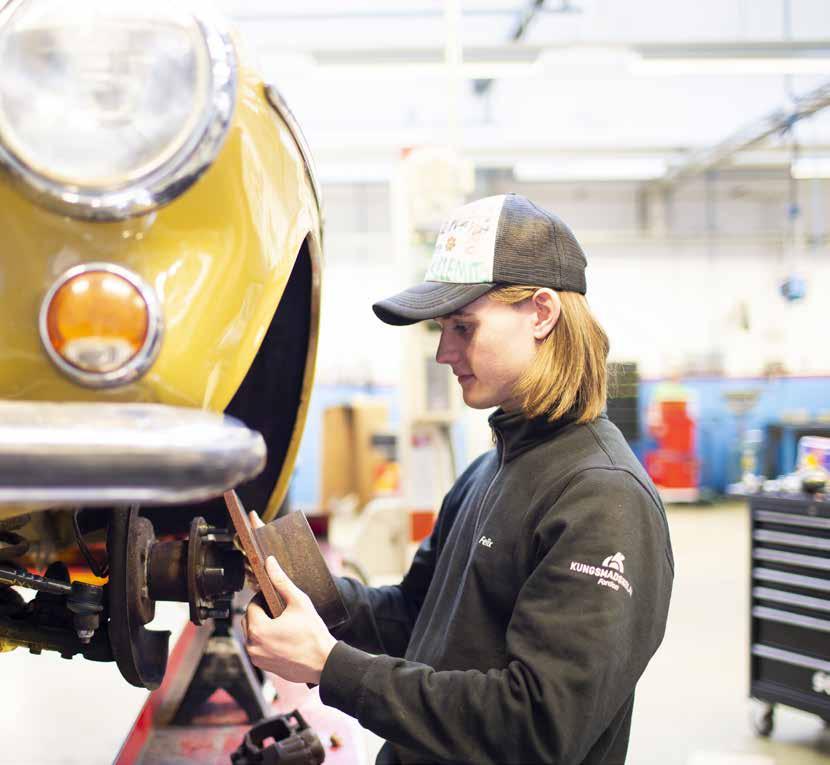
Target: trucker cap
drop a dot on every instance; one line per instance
(504, 239)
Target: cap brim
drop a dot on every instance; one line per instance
(427, 300)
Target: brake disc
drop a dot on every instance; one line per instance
(140, 654)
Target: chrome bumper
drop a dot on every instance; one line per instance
(105, 454)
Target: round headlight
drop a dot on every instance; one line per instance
(108, 109)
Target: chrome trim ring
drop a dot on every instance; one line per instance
(279, 103)
(139, 364)
(165, 183)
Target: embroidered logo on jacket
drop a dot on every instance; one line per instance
(609, 574)
(615, 561)
(486, 542)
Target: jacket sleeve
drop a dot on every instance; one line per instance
(576, 644)
(381, 618)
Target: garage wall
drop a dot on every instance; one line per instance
(691, 286)
(704, 312)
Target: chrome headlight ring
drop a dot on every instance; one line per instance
(135, 367)
(165, 182)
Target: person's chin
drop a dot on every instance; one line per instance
(479, 401)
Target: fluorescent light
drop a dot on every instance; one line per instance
(611, 169)
(479, 70)
(587, 61)
(354, 172)
(726, 66)
(736, 58)
(571, 61)
(810, 167)
(304, 66)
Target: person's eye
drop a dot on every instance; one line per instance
(461, 329)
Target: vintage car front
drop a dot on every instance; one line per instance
(160, 250)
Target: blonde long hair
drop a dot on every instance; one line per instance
(569, 371)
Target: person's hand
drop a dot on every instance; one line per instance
(297, 643)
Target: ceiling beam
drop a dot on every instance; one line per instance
(565, 6)
(526, 16)
(774, 123)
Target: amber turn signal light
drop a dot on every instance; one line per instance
(100, 324)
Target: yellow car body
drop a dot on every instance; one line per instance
(159, 316)
(219, 257)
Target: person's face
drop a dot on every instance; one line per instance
(489, 345)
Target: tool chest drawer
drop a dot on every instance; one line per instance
(790, 601)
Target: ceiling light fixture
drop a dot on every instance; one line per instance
(805, 168)
(602, 169)
(727, 58)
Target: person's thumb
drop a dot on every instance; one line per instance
(284, 586)
(256, 521)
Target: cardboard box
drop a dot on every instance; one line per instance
(351, 462)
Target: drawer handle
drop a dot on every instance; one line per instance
(785, 519)
(808, 561)
(790, 598)
(794, 540)
(788, 657)
(785, 617)
(798, 580)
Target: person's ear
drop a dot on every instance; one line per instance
(547, 309)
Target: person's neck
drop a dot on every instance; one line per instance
(511, 406)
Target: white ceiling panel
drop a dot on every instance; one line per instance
(367, 79)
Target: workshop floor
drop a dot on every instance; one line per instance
(692, 706)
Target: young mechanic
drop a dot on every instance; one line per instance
(527, 617)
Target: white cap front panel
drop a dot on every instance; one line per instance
(466, 244)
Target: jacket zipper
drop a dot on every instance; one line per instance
(489, 487)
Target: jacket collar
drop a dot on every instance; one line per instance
(516, 433)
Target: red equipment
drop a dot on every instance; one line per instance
(672, 465)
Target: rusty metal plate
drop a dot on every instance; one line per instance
(256, 556)
(291, 541)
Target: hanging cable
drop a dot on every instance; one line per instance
(100, 570)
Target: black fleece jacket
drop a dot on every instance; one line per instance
(526, 618)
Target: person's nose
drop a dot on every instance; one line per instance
(446, 353)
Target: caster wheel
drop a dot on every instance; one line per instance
(763, 720)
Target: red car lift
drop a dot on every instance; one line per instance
(217, 726)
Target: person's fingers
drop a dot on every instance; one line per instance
(255, 616)
(256, 521)
(285, 587)
(253, 626)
